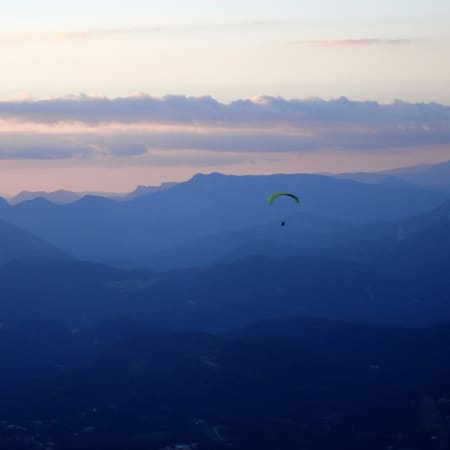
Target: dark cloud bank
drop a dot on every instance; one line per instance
(264, 124)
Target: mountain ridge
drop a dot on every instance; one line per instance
(16, 243)
(430, 176)
(130, 233)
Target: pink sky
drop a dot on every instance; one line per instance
(113, 144)
(16, 176)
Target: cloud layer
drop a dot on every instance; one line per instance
(95, 33)
(361, 42)
(134, 127)
(178, 109)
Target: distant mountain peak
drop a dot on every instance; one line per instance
(201, 176)
(431, 176)
(143, 190)
(60, 196)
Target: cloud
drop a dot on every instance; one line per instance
(361, 42)
(259, 112)
(136, 127)
(93, 33)
(196, 158)
(139, 144)
(37, 152)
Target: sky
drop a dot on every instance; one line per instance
(105, 95)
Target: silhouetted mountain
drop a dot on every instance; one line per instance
(422, 245)
(31, 349)
(62, 196)
(218, 297)
(146, 190)
(58, 197)
(418, 246)
(430, 176)
(16, 243)
(131, 233)
(281, 384)
(73, 292)
(302, 232)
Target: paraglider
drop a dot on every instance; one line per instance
(276, 195)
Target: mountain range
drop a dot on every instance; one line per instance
(64, 196)
(217, 327)
(16, 244)
(430, 176)
(134, 233)
(222, 296)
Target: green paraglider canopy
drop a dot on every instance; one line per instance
(274, 196)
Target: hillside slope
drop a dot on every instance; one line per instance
(131, 233)
(16, 243)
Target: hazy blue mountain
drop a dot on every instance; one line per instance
(430, 176)
(131, 233)
(219, 297)
(16, 243)
(70, 291)
(58, 197)
(302, 232)
(146, 190)
(280, 384)
(31, 348)
(419, 246)
(98, 357)
(62, 196)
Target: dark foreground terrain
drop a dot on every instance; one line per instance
(281, 384)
